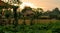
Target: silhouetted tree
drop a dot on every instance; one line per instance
(28, 12)
(38, 13)
(24, 12)
(15, 11)
(39, 10)
(55, 13)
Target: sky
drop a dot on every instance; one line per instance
(45, 4)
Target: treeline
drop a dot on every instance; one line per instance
(31, 13)
(39, 13)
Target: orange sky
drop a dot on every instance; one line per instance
(45, 4)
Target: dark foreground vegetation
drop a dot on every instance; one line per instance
(28, 13)
(35, 28)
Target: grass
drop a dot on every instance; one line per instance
(36, 28)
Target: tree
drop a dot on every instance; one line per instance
(15, 10)
(39, 10)
(55, 13)
(17, 1)
(47, 13)
(28, 13)
(38, 13)
(15, 14)
(7, 13)
(13, 1)
(16, 4)
(0, 11)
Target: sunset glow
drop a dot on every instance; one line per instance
(27, 4)
(45, 4)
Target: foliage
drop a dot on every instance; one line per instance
(8, 14)
(36, 28)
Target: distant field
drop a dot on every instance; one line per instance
(38, 21)
(35, 21)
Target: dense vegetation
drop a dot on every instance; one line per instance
(36, 28)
